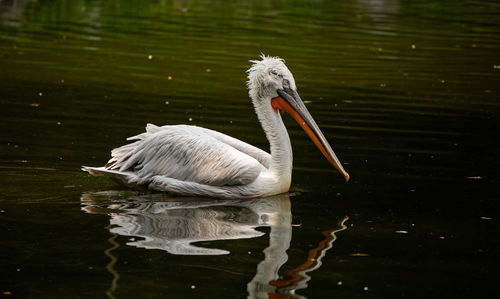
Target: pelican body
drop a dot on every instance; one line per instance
(194, 161)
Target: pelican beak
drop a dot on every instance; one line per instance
(289, 100)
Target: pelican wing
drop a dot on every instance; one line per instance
(255, 152)
(263, 157)
(185, 153)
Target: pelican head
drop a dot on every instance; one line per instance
(272, 86)
(267, 76)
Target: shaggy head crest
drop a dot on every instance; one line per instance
(268, 75)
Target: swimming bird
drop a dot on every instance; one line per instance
(194, 161)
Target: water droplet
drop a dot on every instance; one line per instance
(401, 232)
(167, 102)
(150, 57)
(413, 46)
(190, 119)
(339, 283)
(40, 94)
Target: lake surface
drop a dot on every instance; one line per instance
(407, 92)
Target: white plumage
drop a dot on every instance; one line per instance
(189, 160)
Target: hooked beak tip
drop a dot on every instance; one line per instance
(347, 177)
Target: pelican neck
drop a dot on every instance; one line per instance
(279, 141)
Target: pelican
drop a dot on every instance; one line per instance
(194, 161)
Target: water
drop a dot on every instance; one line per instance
(406, 92)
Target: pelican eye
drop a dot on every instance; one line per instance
(275, 73)
(286, 83)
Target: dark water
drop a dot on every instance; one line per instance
(406, 91)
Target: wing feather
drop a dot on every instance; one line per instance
(184, 153)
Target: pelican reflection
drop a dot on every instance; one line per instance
(156, 221)
(174, 224)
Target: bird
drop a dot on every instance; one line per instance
(185, 160)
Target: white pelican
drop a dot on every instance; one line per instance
(193, 161)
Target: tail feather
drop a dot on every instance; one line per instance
(126, 178)
(123, 161)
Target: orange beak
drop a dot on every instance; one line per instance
(289, 101)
